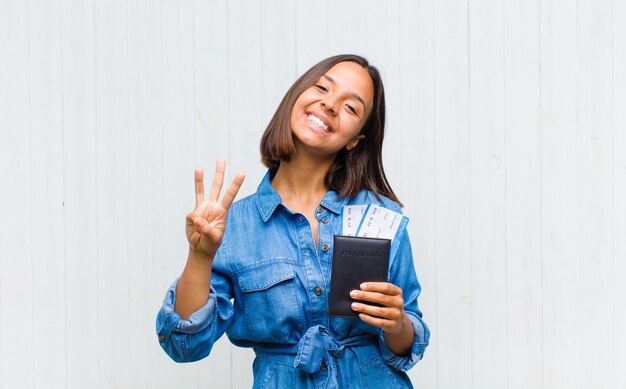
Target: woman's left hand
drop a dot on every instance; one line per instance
(391, 317)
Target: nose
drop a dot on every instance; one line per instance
(329, 104)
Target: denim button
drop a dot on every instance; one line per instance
(318, 291)
(320, 209)
(324, 247)
(161, 337)
(325, 220)
(323, 366)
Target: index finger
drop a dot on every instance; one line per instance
(381, 287)
(233, 189)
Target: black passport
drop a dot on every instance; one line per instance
(355, 260)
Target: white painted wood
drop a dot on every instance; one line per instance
(522, 107)
(246, 124)
(312, 37)
(563, 314)
(112, 198)
(452, 196)
(145, 195)
(18, 302)
(414, 169)
(247, 121)
(619, 181)
(505, 140)
(595, 162)
(211, 85)
(179, 155)
(80, 194)
(46, 174)
(365, 28)
(488, 161)
(212, 134)
(278, 68)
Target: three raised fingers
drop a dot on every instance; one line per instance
(218, 181)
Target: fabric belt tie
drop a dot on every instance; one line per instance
(317, 345)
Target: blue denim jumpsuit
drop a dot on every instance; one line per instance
(269, 291)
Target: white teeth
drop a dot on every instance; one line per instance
(318, 122)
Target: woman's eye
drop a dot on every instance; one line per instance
(321, 87)
(351, 108)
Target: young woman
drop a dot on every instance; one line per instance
(259, 269)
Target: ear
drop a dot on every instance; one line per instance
(354, 141)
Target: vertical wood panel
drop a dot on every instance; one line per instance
(145, 195)
(179, 159)
(414, 169)
(522, 105)
(113, 155)
(452, 192)
(211, 85)
(487, 195)
(246, 123)
(212, 139)
(80, 194)
(595, 160)
(47, 203)
(562, 316)
(278, 68)
(312, 38)
(366, 28)
(16, 187)
(619, 179)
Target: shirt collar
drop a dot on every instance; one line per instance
(267, 199)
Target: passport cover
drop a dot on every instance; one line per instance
(355, 260)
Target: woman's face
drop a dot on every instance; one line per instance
(329, 115)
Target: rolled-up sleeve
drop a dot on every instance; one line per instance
(402, 274)
(192, 339)
(404, 363)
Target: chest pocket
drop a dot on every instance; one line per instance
(272, 309)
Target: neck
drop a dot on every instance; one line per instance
(301, 180)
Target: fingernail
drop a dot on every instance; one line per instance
(355, 306)
(354, 293)
(363, 285)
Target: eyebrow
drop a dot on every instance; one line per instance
(356, 96)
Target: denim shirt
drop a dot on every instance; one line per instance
(269, 291)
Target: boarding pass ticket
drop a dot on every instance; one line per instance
(352, 216)
(374, 221)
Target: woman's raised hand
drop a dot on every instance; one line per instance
(205, 225)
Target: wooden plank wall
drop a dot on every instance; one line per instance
(506, 141)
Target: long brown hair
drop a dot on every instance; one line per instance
(352, 171)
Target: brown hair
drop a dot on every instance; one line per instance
(352, 171)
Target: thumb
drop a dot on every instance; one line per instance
(201, 225)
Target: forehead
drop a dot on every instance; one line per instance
(354, 78)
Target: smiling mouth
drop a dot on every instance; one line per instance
(318, 123)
